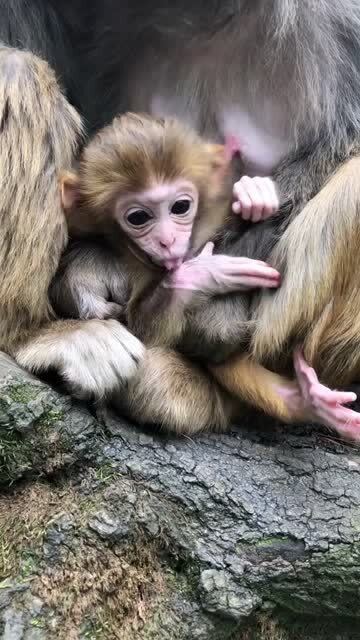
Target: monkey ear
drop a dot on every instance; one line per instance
(69, 189)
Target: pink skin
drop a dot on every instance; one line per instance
(164, 236)
(220, 274)
(324, 405)
(255, 198)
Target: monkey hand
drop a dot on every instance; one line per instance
(220, 274)
(324, 405)
(255, 198)
(94, 357)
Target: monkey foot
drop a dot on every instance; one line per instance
(326, 405)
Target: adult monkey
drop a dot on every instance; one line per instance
(282, 76)
(39, 133)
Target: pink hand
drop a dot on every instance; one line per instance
(219, 274)
(255, 198)
(324, 404)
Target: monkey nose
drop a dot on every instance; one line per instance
(167, 243)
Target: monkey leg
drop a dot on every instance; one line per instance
(326, 405)
(304, 400)
(248, 381)
(39, 133)
(318, 302)
(176, 394)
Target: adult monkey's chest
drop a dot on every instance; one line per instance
(201, 86)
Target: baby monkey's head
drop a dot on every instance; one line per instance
(153, 178)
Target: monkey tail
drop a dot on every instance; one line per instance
(317, 258)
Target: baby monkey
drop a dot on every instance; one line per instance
(158, 196)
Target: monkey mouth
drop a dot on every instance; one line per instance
(172, 263)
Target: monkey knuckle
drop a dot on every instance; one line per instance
(246, 180)
(103, 357)
(246, 207)
(123, 348)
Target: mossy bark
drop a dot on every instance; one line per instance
(109, 531)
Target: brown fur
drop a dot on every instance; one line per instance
(133, 153)
(39, 135)
(328, 229)
(179, 395)
(300, 57)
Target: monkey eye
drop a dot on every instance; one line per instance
(138, 218)
(180, 207)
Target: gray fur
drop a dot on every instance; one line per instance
(305, 53)
(90, 282)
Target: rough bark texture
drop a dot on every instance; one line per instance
(107, 531)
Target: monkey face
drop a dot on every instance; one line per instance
(160, 220)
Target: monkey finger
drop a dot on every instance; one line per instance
(330, 397)
(207, 249)
(345, 421)
(263, 271)
(305, 376)
(252, 282)
(303, 370)
(240, 262)
(244, 203)
(271, 186)
(256, 197)
(269, 193)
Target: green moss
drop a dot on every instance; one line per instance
(29, 564)
(94, 631)
(38, 622)
(49, 418)
(271, 541)
(15, 456)
(105, 474)
(184, 580)
(23, 392)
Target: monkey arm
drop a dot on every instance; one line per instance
(91, 282)
(165, 306)
(94, 357)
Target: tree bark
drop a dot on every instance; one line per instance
(266, 516)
